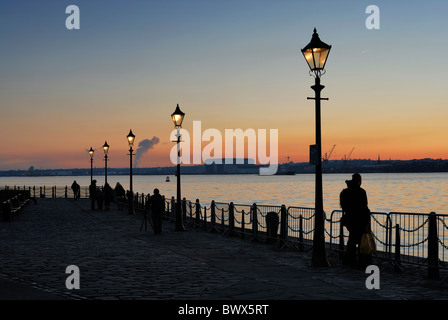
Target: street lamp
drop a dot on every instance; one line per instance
(91, 151)
(316, 54)
(178, 117)
(106, 150)
(131, 138)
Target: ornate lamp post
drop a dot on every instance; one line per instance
(91, 151)
(106, 150)
(316, 54)
(178, 117)
(131, 138)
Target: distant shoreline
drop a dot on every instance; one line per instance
(329, 167)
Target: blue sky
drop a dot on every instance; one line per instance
(230, 64)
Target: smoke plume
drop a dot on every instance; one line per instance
(143, 147)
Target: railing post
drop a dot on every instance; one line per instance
(222, 219)
(164, 203)
(231, 219)
(433, 248)
(184, 209)
(341, 240)
(198, 212)
(205, 218)
(173, 208)
(283, 226)
(191, 211)
(243, 224)
(65, 192)
(301, 248)
(254, 221)
(397, 248)
(212, 216)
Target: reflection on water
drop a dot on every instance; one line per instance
(404, 192)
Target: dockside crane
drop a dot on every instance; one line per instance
(350, 153)
(347, 157)
(327, 157)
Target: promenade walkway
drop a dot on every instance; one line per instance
(118, 261)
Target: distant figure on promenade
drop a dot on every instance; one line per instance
(157, 207)
(99, 198)
(76, 190)
(108, 195)
(92, 193)
(120, 194)
(356, 218)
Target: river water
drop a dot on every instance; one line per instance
(399, 192)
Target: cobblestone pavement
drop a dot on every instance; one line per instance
(117, 260)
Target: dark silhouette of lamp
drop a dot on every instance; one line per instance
(91, 152)
(131, 138)
(106, 150)
(316, 54)
(178, 117)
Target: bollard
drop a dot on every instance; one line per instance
(271, 226)
(433, 248)
(283, 226)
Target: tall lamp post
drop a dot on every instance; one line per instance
(178, 117)
(91, 151)
(131, 138)
(106, 150)
(316, 54)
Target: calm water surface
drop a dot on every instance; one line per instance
(403, 192)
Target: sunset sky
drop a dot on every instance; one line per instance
(229, 64)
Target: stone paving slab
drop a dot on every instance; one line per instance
(118, 261)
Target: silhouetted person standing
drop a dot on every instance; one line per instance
(356, 218)
(120, 195)
(76, 188)
(157, 207)
(107, 196)
(92, 193)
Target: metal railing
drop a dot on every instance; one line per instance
(402, 238)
